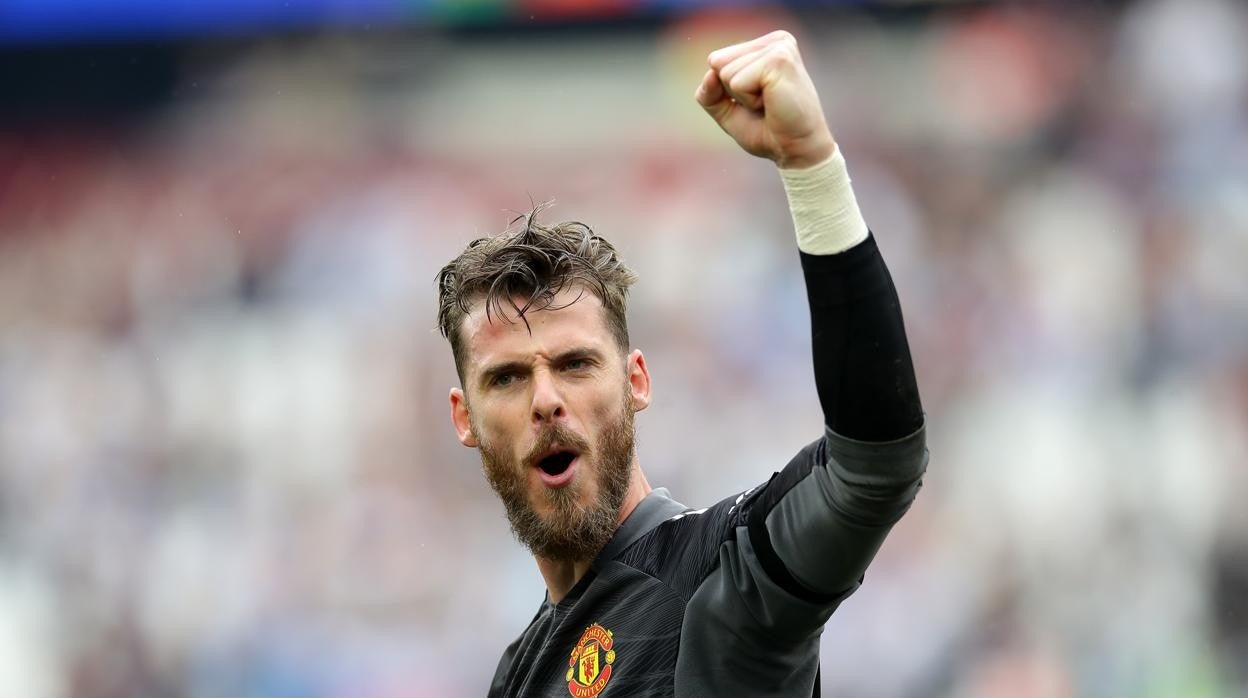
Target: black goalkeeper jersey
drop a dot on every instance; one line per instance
(731, 600)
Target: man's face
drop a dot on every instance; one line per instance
(552, 414)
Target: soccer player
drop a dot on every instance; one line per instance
(645, 596)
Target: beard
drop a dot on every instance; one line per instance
(573, 530)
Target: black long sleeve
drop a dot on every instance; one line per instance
(863, 371)
(801, 542)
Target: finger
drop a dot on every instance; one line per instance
(722, 57)
(711, 90)
(721, 108)
(746, 93)
(753, 75)
(720, 105)
(748, 84)
(738, 122)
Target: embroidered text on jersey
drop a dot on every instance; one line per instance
(589, 667)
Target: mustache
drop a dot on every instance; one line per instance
(555, 434)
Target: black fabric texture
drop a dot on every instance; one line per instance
(755, 514)
(702, 602)
(863, 371)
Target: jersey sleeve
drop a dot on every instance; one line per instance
(793, 550)
(817, 524)
(803, 541)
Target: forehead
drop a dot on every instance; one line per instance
(576, 317)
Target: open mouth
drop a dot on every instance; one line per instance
(556, 463)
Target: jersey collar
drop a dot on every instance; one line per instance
(657, 507)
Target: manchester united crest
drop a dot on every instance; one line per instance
(589, 667)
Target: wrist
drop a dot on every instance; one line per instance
(825, 211)
(808, 155)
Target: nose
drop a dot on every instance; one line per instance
(547, 402)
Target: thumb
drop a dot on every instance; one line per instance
(712, 96)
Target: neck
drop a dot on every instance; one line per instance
(562, 575)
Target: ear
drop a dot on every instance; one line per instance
(638, 380)
(459, 418)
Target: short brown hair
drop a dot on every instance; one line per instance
(534, 262)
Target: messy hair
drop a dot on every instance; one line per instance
(533, 263)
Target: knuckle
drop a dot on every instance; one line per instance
(785, 36)
(782, 57)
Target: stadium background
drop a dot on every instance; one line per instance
(226, 466)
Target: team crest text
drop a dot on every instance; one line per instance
(589, 667)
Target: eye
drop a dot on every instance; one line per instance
(503, 380)
(577, 364)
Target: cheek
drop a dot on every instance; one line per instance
(497, 421)
(606, 408)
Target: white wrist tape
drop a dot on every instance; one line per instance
(825, 212)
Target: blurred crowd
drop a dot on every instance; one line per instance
(226, 462)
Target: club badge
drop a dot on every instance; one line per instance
(589, 667)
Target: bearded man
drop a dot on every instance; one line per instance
(645, 596)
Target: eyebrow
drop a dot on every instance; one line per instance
(488, 374)
(581, 352)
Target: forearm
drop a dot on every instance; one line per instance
(863, 371)
(825, 211)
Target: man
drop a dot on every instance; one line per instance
(646, 597)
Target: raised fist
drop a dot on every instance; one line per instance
(759, 92)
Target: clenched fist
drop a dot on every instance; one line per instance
(760, 94)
